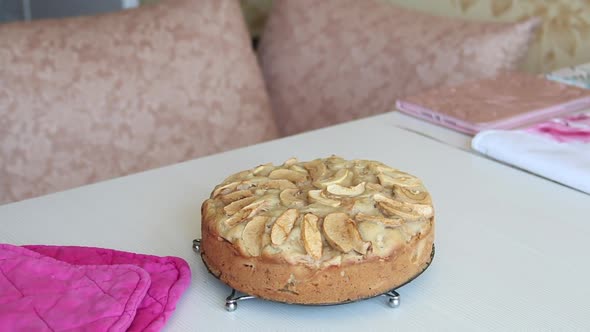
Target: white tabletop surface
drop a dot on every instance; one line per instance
(433, 131)
(511, 250)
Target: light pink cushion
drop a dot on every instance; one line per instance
(91, 98)
(331, 61)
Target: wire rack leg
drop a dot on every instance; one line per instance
(231, 302)
(393, 298)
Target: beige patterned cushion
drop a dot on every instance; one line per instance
(346, 59)
(562, 40)
(91, 98)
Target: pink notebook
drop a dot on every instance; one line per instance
(507, 101)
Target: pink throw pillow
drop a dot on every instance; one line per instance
(331, 61)
(90, 98)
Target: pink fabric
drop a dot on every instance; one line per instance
(170, 277)
(39, 293)
(572, 128)
(331, 61)
(90, 98)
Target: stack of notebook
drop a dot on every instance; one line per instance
(507, 101)
(527, 121)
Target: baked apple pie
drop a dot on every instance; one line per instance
(319, 232)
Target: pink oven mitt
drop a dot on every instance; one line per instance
(39, 293)
(170, 277)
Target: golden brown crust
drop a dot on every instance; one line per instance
(325, 231)
(304, 285)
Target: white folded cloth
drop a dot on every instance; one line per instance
(558, 149)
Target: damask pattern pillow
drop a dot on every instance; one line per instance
(562, 40)
(91, 98)
(330, 61)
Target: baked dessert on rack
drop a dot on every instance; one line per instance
(320, 232)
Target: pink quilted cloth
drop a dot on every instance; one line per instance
(170, 276)
(39, 293)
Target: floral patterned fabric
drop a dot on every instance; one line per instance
(347, 59)
(563, 39)
(91, 98)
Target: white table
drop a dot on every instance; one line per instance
(511, 247)
(438, 133)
